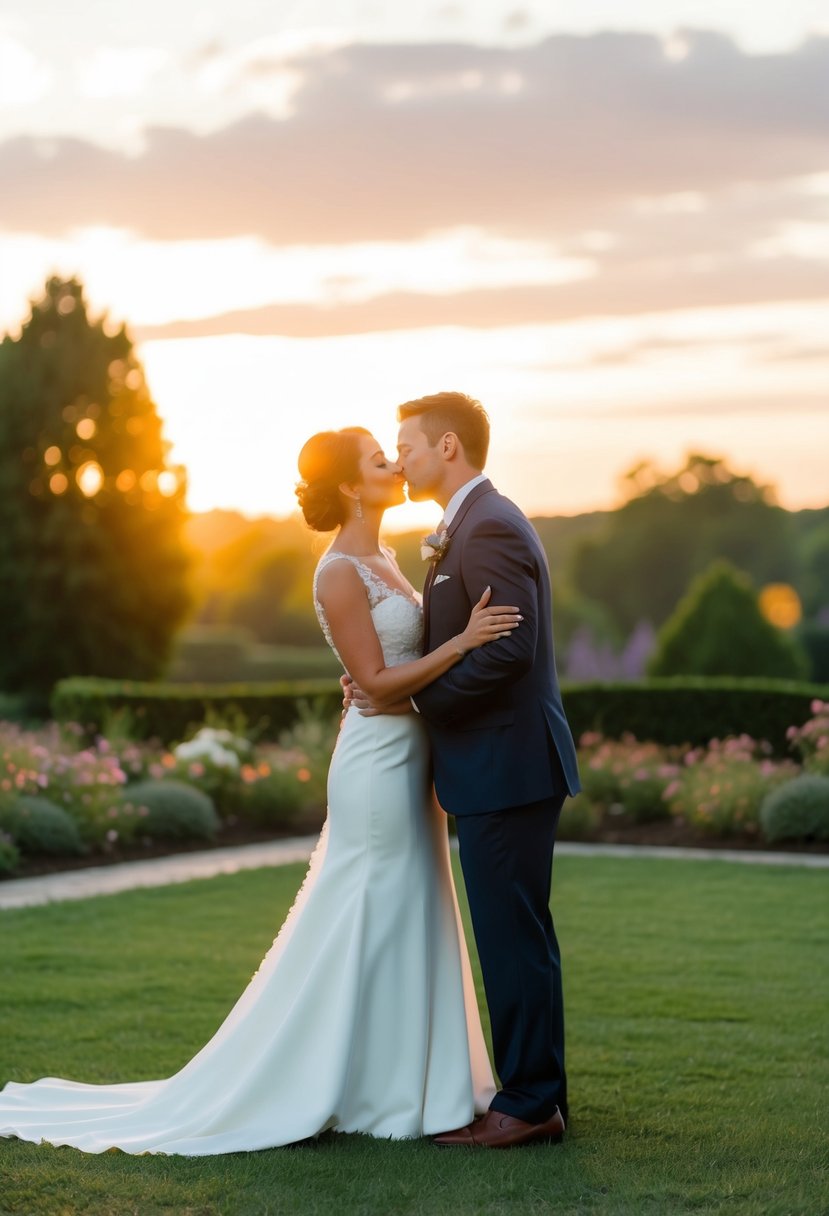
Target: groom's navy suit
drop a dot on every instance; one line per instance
(504, 761)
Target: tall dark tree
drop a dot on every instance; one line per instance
(93, 566)
(671, 529)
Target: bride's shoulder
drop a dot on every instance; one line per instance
(337, 573)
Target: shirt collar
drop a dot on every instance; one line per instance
(457, 498)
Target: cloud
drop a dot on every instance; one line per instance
(394, 141)
(119, 71)
(23, 79)
(695, 407)
(733, 282)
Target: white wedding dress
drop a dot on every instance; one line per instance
(362, 1016)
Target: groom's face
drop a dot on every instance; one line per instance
(421, 463)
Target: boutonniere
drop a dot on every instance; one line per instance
(433, 547)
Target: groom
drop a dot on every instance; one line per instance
(504, 759)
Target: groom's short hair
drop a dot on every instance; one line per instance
(456, 412)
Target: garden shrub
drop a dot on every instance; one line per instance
(721, 788)
(38, 826)
(797, 810)
(627, 776)
(273, 795)
(811, 740)
(312, 738)
(172, 810)
(84, 783)
(211, 761)
(814, 638)
(87, 785)
(579, 820)
(9, 854)
(718, 629)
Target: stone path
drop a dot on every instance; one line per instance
(182, 867)
(155, 872)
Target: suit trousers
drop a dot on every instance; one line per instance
(507, 861)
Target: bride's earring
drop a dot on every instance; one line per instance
(359, 511)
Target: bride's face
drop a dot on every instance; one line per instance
(381, 479)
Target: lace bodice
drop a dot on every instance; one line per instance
(398, 619)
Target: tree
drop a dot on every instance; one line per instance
(816, 569)
(276, 606)
(671, 529)
(93, 568)
(718, 630)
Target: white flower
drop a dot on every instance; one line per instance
(434, 546)
(199, 748)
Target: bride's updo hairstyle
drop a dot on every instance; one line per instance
(327, 460)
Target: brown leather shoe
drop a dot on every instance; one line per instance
(497, 1130)
(463, 1137)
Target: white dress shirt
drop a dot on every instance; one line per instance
(453, 505)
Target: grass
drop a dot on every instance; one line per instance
(696, 1000)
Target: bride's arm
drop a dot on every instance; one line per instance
(342, 594)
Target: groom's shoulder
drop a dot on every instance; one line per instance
(497, 516)
(497, 506)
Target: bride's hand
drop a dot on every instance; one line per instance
(486, 623)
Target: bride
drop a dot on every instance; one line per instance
(362, 1016)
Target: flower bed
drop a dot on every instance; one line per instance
(119, 798)
(716, 792)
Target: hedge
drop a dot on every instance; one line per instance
(168, 711)
(676, 710)
(693, 709)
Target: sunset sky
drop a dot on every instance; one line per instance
(609, 221)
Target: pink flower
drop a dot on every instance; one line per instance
(112, 834)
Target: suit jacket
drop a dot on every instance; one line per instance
(493, 717)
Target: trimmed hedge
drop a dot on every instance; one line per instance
(680, 709)
(170, 712)
(692, 709)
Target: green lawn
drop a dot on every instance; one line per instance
(697, 1005)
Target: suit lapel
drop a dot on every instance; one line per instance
(427, 600)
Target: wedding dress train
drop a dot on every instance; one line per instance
(362, 1016)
